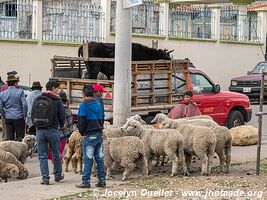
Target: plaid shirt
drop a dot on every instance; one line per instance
(184, 109)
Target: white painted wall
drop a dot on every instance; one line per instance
(221, 61)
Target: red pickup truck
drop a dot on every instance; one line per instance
(226, 108)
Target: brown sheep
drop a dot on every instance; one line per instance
(74, 152)
(10, 158)
(8, 170)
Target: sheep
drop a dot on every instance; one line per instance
(8, 170)
(201, 142)
(10, 158)
(223, 138)
(174, 123)
(21, 150)
(223, 147)
(128, 151)
(159, 142)
(74, 152)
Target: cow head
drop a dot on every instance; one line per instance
(164, 54)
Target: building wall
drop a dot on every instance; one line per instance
(221, 61)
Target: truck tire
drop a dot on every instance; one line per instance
(234, 119)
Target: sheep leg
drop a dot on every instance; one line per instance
(74, 163)
(67, 160)
(188, 158)
(204, 163)
(80, 160)
(228, 157)
(222, 160)
(143, 165)
(129, 167)
(94, 169)
(182, 160)
(157, 161)
(108, 163)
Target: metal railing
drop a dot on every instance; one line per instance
(190, 21)
(239, 27)
(72, 22)
(16, 20)
(146, 18)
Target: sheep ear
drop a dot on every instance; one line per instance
(28, 139)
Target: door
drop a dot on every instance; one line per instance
(207, 101)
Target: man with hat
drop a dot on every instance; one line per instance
(99, 90)
(13, 108)
(36, 92)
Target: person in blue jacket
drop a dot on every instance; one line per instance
(90, 125)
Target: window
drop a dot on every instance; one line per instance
(8, 9)
(201, 84)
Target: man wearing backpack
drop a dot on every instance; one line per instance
(47, 115)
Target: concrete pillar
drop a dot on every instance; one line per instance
(123, 56)
(215, 22)
(164, 19)
(262, 25)
(105, 4)
(262, 29)
(242, 22)
(37, 19)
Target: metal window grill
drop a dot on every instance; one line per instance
(239, 27)
(146, 18)
(16, 19)
(192, 21)
(72, 21)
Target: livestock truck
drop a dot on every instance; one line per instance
(157, 86)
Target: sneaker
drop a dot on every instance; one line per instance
(43, 182)
(82, 185)
(60, 178)
(101, 184)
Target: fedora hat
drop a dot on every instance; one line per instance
(36, 85)
(12, 78)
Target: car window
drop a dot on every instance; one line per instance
(201, 84)
(259, 67)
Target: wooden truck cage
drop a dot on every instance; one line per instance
(156, 85)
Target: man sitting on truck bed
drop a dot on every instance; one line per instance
(185, 108)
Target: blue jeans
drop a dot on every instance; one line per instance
(93, 148)
(44, 137)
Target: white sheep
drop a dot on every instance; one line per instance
(159, 142)
(8, 170)
(10, 158)
(201, 142)
(223, 138)
(20, 150)
(128, 151)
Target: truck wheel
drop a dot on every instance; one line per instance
(234, 119)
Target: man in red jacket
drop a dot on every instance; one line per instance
(185, 108)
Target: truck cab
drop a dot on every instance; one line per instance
(226, 108)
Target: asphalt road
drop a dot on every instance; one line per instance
(249, 153)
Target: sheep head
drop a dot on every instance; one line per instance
(29, 140)
(11, 171)
(132, 127)
(160, 117)
(138, 118)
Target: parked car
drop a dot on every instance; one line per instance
(250, 84)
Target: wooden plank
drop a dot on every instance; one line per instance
(96, 59)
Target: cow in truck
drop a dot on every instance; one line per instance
(107, 50)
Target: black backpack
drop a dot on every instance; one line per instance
(42, 111)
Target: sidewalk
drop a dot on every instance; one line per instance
(31, 189)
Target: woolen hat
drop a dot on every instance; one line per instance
(98, 87)
(12, 78)
(36, 85)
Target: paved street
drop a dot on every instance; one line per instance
(31, 189)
